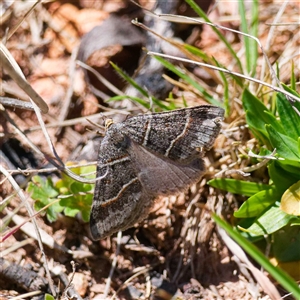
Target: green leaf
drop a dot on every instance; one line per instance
(71, 212)
(79, 187)
(286, 244)
(77, 195)
(274, 122)
(129, 80)
(238, 186)
(143, 102)
(290, 200)
(78, 200)
(44, 193)
(285, 146)
(288, 117)
(296, 104)
(41, 189)
(253, 105)
(48, 297)
(281, 178)
(291, 166)
(258, 203)
(271, 221)
(257, 126)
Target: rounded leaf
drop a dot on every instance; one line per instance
(290, 200)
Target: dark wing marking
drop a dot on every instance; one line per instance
(116, 195)
(176, 134)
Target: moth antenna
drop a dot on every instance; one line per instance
(100, 132)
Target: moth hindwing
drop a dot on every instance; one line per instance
(148, 156)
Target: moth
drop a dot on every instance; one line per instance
(148, 156)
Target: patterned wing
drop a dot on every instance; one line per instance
(177, 134)
(145, 157)
(117, 202)
(135, 179)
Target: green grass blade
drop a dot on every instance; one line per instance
(251, 29)
(254, 32)
(293, 77)
(226, 91)
(189, 80)
(284, 279)
(144, 103)
(129, 80)
(202, 14)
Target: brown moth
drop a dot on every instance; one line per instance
(148, 156)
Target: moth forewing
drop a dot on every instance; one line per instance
(148, 156)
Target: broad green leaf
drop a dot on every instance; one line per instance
(257, 126)
(296, 104)
(258, 203)
(291, 166)
(52, 211)
(79, 187)
(286, 244)
(44, 193)
(271, 221)
(77, 195)
(71, 212)
(85, 214)
(272, 120)
(282, 179)
(288, 117)
(48, 297)
(285, 146)
(78, 201)
(238, 186)
(41, 189)
(253, 105)
(290, 200)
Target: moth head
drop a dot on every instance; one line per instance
(115, 136)
(108, 122)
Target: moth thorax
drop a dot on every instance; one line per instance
(108, 122)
